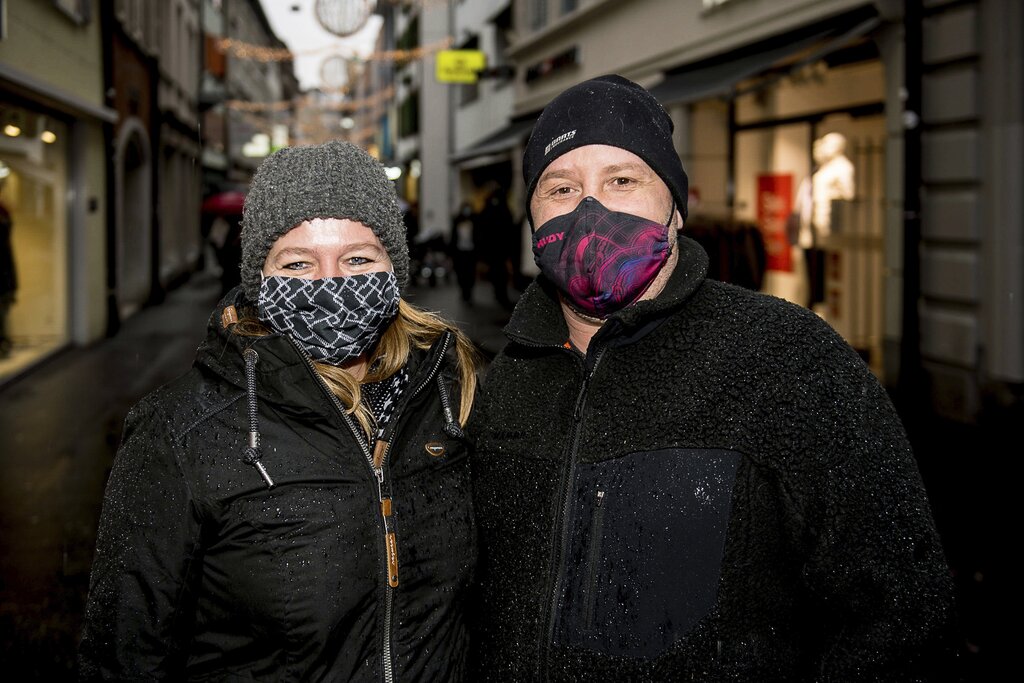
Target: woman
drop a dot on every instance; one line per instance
(297, 506)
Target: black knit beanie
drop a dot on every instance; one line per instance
(608, 110)
(333, 180)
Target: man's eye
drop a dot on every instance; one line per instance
(619, 182)
(562, 190)
(358, 260)
(296, 265)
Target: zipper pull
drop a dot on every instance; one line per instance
(600, 498)
(390, 543)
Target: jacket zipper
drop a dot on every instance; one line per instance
(385, 507)
(561, 521)
(390, 535)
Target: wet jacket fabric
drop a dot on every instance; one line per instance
(204, 573)
(720, 490)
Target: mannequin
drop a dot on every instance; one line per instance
(832, 181)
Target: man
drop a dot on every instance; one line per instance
(676, 478)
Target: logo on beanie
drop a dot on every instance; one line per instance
(559, 140)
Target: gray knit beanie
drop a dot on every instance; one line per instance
(332, 180)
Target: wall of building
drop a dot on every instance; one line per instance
(640, 39)
(51, 73)
(491, 108)
(972, 262)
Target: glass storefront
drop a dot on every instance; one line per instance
(809, 169)
(33, 237)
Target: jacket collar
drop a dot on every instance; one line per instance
(283, 372)
(538, 320)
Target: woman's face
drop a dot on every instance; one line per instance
(327, 247)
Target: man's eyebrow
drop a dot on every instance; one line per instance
(626, 166)
(633, 166)
(563, 175)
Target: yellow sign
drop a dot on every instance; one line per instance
(460, 66)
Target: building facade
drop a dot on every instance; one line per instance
(53, 188)
(928, 293)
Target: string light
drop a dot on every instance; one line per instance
(309, 101)
(261, 53)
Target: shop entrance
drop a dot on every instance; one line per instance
(808, 165)
(33, 238)
(817, 192)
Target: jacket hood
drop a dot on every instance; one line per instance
(538, 321)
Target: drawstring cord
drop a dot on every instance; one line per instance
(251, 454)
(451, 427)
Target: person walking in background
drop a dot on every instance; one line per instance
(494, 226)
(677, 478)
(463, 250)
(297, 507)
(8, 274)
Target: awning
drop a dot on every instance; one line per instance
(719, 79)
(503, 140)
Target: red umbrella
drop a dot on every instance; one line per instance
(224, 203)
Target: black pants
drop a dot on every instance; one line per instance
(464, 263)
(815, 259)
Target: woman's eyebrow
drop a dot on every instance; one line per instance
(293, 251)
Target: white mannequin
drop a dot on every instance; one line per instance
(832, 181)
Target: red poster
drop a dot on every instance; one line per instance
(774, 204)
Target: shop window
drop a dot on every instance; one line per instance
(33, 238)
(538, 17)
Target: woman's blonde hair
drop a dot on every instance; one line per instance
(412, 328)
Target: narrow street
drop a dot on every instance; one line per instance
(59, 429)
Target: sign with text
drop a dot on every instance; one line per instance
(774, 204)
(460, 66)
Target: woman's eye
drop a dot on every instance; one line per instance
(358, 260)
(295, 265)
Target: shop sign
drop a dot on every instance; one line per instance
(774, 204)
(460, 66)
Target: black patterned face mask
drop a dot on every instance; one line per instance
(334, 319)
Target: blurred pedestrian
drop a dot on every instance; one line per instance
(296, 507)
(494, 226)
(463, 250)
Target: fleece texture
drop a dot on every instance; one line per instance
(720, 490)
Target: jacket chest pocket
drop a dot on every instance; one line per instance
(297, 559)
(645, 546)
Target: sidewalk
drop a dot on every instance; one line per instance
(60, 426)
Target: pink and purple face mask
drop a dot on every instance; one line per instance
(600, 260)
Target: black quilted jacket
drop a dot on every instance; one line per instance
(719, 491)
(202, 572)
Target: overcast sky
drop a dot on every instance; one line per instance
(310, 42)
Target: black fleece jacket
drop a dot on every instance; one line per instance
(719, 491)
(202, 572)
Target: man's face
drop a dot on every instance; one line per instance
(617, 178)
